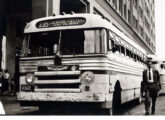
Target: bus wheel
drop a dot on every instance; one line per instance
(116, 102)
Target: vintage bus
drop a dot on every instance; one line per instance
(95, 64)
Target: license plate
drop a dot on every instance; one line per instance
(26, 87)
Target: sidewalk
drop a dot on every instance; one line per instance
(12, 106)
(8, 99)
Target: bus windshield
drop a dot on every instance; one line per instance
(70, 42)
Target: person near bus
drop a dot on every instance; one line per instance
(2, 85)
(1, 81)
(6, 81)
(57, 59)
(151, 86)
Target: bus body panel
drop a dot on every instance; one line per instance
(103, 87)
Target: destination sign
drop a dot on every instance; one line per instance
(61, 22)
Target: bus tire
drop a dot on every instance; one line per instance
(116, 102)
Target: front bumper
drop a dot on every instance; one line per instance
(63, 97)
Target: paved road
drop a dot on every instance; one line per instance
(139, 109)
(130, 109)
(12, 107)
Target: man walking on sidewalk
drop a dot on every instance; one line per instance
(151, 82)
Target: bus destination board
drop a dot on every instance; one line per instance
(61, 22)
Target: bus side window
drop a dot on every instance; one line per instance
(117, 44)
(111, 41)
(123, 50)
(114, 46)
(138, 58)
(111, 44)
(141, 59)
(135, 57)
(127, 53)
(117, 47)
(131, 54)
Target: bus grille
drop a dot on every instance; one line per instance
(57, 81)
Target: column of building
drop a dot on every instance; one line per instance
(2, 32)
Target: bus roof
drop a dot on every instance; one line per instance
(64, 22)
(75, 21)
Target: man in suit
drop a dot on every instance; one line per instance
(151, 82)
(57, 59)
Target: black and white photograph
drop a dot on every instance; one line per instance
(82, 58)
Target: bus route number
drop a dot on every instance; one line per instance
(60, 22)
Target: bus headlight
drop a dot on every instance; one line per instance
(29, 78)
(87, 77)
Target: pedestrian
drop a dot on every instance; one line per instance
(151, 86)
(57, 59)
(1, 80)
(6, 82)
(12, 90)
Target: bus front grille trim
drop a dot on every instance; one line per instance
(60, 73)
(59, 90)
(57, 81)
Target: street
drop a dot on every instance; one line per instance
(12, 107)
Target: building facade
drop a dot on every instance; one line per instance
(135, 18)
